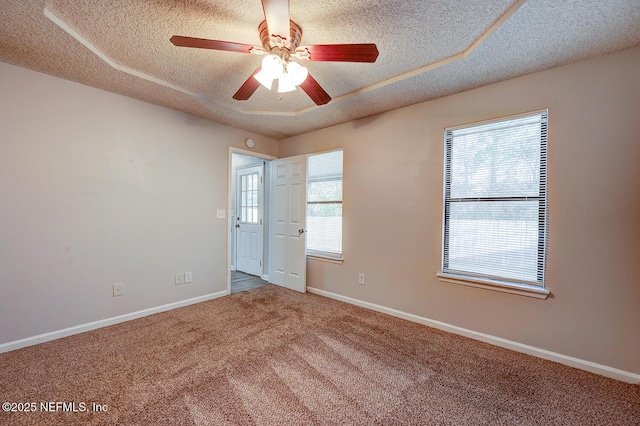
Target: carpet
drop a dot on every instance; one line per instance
(271, 356)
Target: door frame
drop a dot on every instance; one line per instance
(230, 221)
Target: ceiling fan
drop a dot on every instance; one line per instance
(280, 39)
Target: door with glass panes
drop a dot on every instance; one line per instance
(249, 220)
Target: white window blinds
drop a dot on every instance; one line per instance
(324, 204)
(495, 200)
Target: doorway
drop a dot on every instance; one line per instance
(267, 204)
(248, 220)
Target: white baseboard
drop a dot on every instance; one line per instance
(265, 277)
(46, 337)
(581, 364)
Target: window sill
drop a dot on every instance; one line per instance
(520, 289)
(337, 260)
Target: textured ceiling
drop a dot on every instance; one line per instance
(428, 49)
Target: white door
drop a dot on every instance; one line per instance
(288, 217)
(249, 220)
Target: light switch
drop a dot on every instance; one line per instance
(180, 278)
(220, 214)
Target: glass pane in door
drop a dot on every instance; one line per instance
(249, 198)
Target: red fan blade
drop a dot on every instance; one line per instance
(276, 12)
(248, 87)
(365, 52)
(315, 91)
(203, 43)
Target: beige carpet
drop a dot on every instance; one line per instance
(273, 356)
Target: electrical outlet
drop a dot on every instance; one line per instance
(361, 278)
(220, 214)
(188, 277)
(179, 279)
(118, 289)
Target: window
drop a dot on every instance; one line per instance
(324, 205)
(495, 203)
(249, 198)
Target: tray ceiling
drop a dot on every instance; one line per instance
(428, 49)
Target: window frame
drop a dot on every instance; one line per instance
(514, 286)
(319, 254)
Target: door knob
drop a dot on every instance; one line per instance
(300, 231)
(237, 225)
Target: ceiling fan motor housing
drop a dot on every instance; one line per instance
(276, 45)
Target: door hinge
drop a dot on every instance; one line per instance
(260, 179)
(260, 221)
(261, 263)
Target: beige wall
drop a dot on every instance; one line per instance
(393, 211)
(97, 188)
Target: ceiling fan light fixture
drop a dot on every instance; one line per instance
(285, 84)
(272, 65)
(264, 79)
(297, 73)
(280, 38)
